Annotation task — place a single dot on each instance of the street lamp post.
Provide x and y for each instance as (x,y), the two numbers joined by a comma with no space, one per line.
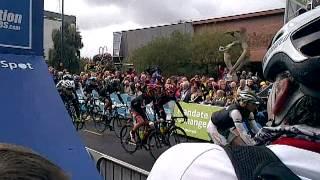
(62,31)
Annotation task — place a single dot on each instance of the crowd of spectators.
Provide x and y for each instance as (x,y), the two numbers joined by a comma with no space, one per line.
(198,89)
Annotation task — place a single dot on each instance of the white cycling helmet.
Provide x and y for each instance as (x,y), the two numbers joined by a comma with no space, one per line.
(296,48)
(93,78)
(68,84)
(67,77)
(248,96)
(60,73)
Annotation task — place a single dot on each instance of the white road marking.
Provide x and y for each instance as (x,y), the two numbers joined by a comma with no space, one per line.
(92,132)
(117,161)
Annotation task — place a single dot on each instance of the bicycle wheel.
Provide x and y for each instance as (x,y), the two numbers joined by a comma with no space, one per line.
(126,142)
(100,122)
(84,111)
(73,116)
(156,144)
(79,125)
(177,135)
(117,124)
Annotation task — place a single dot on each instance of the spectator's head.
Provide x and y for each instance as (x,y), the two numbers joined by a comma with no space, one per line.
(194,89)
(136,79)
(211,79)
(137,86)
(169,81)
(242,83)
(170,90)
(222,84)
(107,73)
(143,78)
(233,85)
(210,82)
(244,73)
(18,162)
(185,85)
(294,68)
(249,82)
(126,83)
(263,85)
(118,74)
(220,93)
(184,79)
(203,79)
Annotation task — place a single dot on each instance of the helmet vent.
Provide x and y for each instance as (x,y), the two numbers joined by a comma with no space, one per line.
(307,39)
(312,49)
(308,29)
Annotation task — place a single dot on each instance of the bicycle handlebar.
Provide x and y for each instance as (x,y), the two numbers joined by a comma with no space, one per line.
(185,118)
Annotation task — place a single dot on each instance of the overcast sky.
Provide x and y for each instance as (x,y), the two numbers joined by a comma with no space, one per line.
(98,19)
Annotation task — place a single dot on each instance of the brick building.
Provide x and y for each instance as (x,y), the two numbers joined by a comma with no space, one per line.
(260,26)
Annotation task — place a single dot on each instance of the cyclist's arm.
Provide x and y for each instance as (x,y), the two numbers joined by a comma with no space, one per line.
(119,97)
(237,119)
(59,84)
(253,124)
(179,107)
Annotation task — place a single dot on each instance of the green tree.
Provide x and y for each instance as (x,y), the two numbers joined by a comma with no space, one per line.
(71,49)
(169,53)
(205,50)
(182,54)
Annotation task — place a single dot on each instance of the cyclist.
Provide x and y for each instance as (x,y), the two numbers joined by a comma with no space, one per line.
(138,108)
(236,120)
(91,85)
(66,88)
(168,96)
(293,63)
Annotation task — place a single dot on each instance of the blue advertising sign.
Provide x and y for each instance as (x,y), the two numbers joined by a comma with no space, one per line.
(33,115)
(32,112)
(21,27)
(16,24)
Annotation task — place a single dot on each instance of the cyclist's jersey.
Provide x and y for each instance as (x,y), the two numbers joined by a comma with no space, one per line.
(161,101)
(159,105)
(138,104)
(90,87)
(223,120)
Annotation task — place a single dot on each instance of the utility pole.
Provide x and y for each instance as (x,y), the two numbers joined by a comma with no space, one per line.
(62,31)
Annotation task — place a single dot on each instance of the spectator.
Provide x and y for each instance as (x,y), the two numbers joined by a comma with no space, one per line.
(196,95)
(251,86)
(18,162)
(127,88)
(185,92)
(138,90)
(243,75)
(242,86)
(222,85)
(219,99)
(263,85)
(233,89)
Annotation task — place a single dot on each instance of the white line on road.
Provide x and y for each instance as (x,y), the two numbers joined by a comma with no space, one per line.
(92,132)
(117,161)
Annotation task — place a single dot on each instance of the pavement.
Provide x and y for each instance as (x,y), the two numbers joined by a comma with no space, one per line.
(107,143)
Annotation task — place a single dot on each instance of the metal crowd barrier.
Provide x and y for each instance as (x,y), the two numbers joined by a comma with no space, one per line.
(113,169)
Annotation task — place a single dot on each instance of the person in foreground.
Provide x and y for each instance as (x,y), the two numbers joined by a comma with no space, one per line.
(20,163)
(235,124)
(293,139)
